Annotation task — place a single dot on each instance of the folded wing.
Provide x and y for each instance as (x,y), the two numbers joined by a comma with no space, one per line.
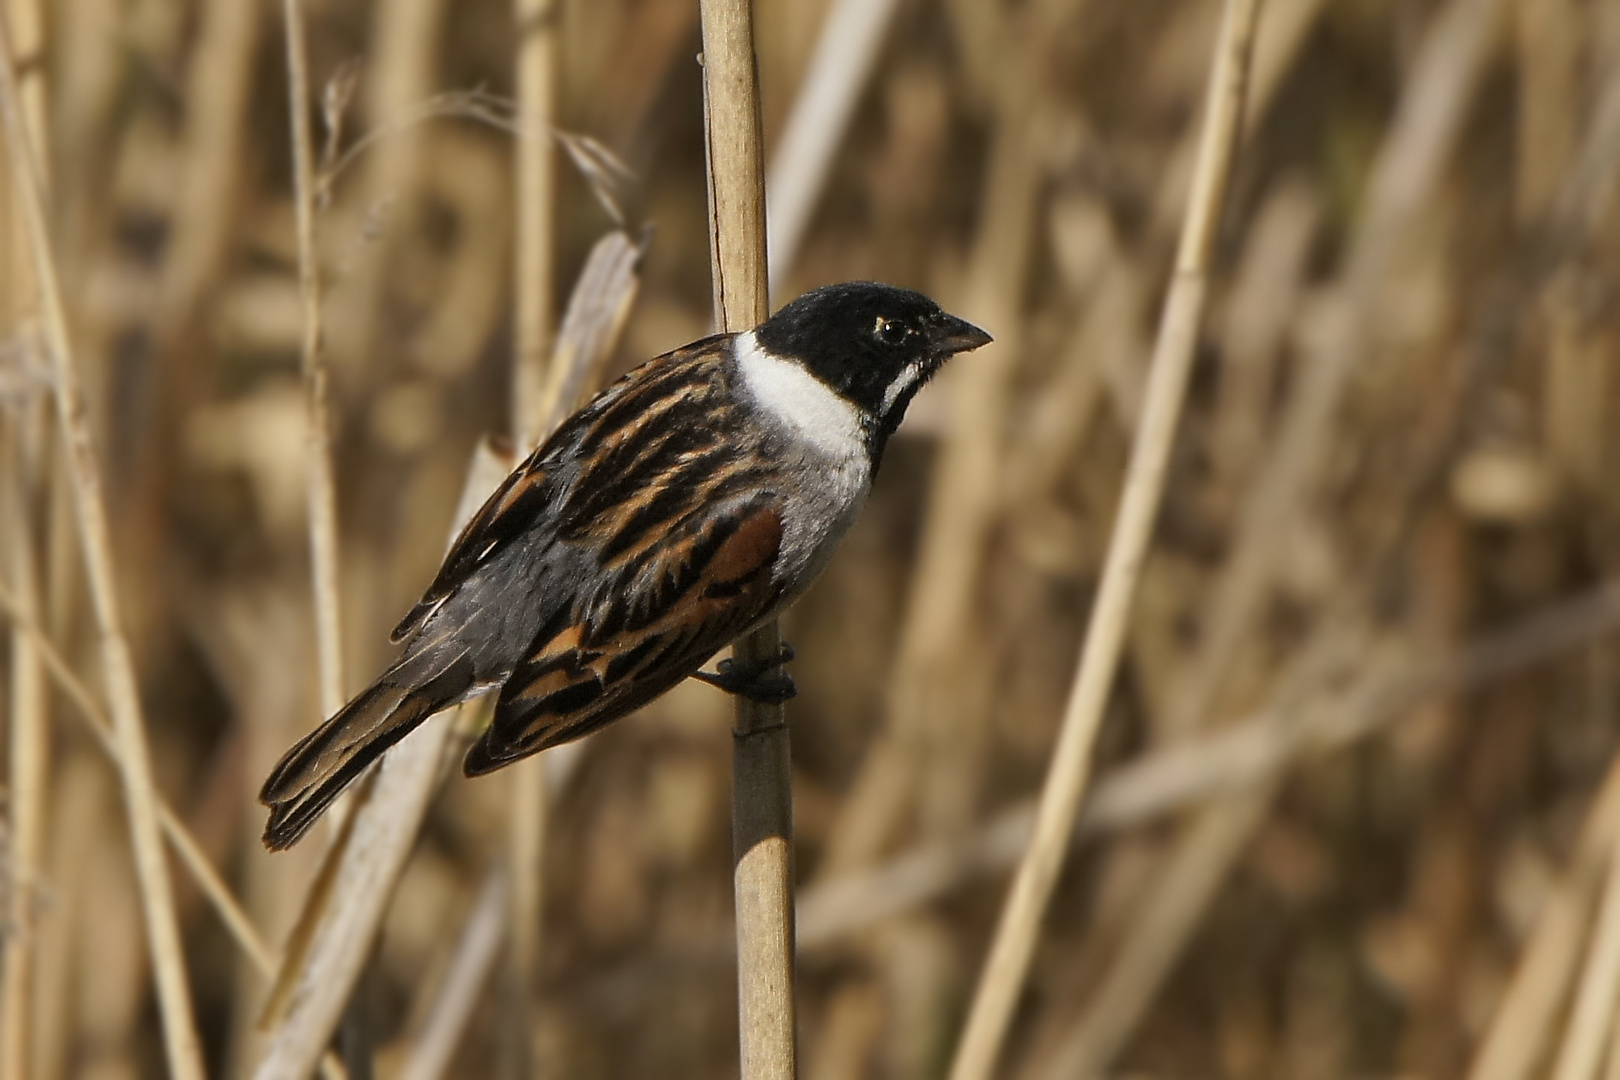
(669,611)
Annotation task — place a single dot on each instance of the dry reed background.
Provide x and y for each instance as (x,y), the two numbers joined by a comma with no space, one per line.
(1357,789)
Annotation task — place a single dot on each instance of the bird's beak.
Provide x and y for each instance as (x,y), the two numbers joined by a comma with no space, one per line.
(949,335)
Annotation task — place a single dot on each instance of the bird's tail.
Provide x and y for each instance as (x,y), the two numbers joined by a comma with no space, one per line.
(324,762)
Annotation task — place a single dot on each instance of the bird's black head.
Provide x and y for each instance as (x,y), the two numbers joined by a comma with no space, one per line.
(875,345)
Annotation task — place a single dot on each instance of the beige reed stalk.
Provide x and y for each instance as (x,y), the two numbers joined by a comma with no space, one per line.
(27,480)
(322,488)
(475,954)
(134,755)
(320,483)
(536,179)
(1004,972)
(29,764)
(762,795)
(534,283)
(1514,1045)
(1581,1055)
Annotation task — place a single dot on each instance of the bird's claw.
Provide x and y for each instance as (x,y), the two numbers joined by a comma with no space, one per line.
(754,680)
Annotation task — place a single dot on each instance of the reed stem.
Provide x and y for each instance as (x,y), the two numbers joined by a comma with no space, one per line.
(181,1045)
(1003,977)
(762,794)
(322,488)
(534,276)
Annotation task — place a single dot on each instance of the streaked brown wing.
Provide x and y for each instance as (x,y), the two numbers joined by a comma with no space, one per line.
(665,614)
(553,473)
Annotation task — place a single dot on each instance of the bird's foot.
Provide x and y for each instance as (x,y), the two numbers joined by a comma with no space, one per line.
(754,680)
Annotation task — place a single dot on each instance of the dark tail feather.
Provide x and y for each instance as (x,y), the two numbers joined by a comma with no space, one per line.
(324,762)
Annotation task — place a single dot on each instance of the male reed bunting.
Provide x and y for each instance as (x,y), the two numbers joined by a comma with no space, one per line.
(685,505)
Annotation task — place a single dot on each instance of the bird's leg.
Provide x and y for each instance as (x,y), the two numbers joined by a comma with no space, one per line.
(750,680)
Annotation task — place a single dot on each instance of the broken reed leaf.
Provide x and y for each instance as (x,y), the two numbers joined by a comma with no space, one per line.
(611,181)
(339,917)
(343,913)
(603,296)
(336,98)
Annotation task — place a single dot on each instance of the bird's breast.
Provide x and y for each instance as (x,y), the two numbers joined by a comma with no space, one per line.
(824,495)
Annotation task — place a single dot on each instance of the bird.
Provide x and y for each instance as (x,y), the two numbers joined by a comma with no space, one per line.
(682,507)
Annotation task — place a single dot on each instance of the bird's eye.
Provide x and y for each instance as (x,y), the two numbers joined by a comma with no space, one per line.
(892,331)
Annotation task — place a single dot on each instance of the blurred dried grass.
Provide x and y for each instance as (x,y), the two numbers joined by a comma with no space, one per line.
(1396,458)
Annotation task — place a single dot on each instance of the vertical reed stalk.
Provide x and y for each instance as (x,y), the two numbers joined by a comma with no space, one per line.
(322,488)
(536,182)
(134,759)
(1420,140)
(29,766)
(1004,972)
(762,796)
(536,186)
(320,482)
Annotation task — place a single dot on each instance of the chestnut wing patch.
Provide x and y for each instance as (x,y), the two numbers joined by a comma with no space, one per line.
(659,617)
